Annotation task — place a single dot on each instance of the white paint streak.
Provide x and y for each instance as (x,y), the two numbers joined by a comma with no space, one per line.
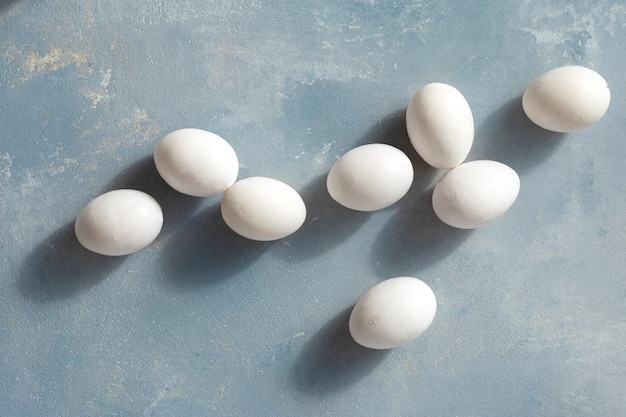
(320,158)
(6,162)
(415,18)
(546,37)
(33,64)
(101,93)
(563,31)
(138,130)
(33,180)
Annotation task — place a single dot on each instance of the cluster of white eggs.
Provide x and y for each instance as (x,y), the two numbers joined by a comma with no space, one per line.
(198,163)
(370,177)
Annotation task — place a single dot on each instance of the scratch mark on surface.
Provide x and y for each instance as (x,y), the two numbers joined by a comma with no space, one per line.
(156,402)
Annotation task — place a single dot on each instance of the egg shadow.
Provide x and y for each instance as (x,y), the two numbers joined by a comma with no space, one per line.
(414,238)
(204,251)
(391,130)
(510,137)
(327,224)
(60,267)
(332,361)
(143,176)
(6,4)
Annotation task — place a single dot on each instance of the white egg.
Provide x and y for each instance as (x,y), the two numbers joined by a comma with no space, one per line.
(196,162)
(119,222)
(393,313)
(567,99)
(370,177)
(475,193)
(440,125)
(264,209)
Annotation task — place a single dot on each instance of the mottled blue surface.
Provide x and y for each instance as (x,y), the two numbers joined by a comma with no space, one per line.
(532,308)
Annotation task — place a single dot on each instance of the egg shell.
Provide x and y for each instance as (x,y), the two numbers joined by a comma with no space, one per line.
(262,208)
(440,125)
(196,162)
(475,193)
(393,313)
(567,99)
(119,222)
(370,177)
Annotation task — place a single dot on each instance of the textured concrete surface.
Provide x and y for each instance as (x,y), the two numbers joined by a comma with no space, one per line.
(532,308)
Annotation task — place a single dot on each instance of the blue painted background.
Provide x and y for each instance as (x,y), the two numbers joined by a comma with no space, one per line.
(532,308)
